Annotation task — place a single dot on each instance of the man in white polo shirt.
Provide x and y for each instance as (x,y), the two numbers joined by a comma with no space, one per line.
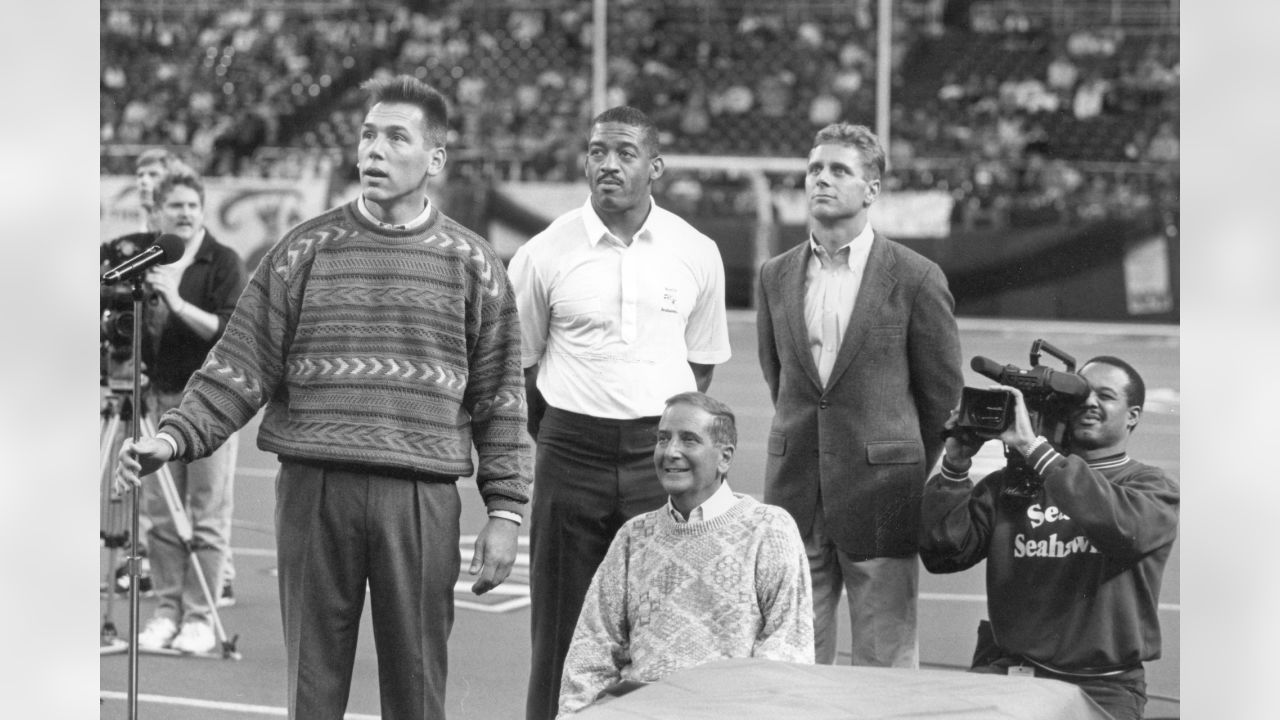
(621,306)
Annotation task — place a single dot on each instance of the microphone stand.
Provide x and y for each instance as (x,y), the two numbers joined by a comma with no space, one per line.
(135,431)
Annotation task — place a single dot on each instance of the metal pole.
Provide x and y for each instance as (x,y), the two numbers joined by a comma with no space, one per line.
(599,55)
(884,70)
(135,429)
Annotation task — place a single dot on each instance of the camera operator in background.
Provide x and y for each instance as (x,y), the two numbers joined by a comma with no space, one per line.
(150,168)
(1074,567)
(193,299)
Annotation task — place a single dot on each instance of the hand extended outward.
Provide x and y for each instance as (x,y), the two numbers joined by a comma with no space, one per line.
(495,553)
(961,445)
(137,459)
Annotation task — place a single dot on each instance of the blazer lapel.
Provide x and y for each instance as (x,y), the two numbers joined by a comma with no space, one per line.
(877,282)
(791,281)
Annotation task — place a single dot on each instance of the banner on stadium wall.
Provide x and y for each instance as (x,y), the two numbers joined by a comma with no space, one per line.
(246,214)
(898,214)
(1146,277)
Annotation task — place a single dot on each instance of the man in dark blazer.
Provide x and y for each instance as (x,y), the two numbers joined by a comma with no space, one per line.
(860,350)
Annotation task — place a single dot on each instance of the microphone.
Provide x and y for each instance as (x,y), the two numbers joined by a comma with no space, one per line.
(168,249)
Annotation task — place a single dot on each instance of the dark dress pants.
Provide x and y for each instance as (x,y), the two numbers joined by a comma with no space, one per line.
(338,532)
(591,476)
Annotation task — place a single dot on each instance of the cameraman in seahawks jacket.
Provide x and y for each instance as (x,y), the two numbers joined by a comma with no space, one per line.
(1075,557)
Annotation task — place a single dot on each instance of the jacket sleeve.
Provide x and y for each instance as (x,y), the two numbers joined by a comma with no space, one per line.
(601,645)
(784,593)
(1125,518)
(933,347)
(956,518)
(766,347)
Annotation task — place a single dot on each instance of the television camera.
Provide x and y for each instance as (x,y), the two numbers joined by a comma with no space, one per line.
(1050,395)
(126,259)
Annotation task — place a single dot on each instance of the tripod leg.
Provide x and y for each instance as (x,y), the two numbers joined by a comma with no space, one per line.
(112,524)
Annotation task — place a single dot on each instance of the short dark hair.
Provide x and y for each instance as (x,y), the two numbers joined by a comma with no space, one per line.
(155,156)
(627,115)
(858,137)
(411,90)
(724,427)
(177,179)
(1135,391)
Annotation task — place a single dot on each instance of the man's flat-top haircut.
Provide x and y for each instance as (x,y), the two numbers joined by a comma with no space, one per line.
(858,137)
(626,115)
(178,179)
(1135,391)
(410,90)
(724,427)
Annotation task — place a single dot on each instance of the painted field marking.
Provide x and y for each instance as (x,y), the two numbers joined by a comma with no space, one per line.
(268,710)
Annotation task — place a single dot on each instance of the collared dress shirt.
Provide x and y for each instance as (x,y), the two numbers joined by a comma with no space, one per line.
(710,509)
(363,206)
(831,287)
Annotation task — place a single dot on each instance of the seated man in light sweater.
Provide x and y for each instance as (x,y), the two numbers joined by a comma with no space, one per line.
(710,575)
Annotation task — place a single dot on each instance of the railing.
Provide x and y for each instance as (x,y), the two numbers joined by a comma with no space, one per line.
(508,166)
(1067,15)
(172,8)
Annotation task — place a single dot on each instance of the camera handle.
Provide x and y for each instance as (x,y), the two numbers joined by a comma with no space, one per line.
(1039,344)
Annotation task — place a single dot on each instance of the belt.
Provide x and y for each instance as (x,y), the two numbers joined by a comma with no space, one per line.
(591,419)
(402,473)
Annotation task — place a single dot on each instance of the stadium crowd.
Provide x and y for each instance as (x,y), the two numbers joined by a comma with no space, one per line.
(1020,123)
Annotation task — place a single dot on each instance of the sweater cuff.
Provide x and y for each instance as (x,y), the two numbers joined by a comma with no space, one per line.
(175,437)
(1042,458)
(506,505)
(167,439)
(506,515)
(950,472)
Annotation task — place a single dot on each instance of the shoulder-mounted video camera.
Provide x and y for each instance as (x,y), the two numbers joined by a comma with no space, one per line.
(1050,395)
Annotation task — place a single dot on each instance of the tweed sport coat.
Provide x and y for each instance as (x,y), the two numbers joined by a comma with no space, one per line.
(859,449)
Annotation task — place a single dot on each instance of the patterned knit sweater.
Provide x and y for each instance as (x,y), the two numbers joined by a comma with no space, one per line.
(670,596)
(391,348)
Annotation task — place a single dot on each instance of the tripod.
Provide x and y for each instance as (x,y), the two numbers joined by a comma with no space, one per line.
(118,408)
(181,524)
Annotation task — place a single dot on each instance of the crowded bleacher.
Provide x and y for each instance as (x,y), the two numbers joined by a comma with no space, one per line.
(1023,114)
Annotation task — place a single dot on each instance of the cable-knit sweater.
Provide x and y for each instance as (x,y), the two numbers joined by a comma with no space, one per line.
(382,347)
(673,595)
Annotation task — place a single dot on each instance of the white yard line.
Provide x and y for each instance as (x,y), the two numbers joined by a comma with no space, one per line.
(268,710)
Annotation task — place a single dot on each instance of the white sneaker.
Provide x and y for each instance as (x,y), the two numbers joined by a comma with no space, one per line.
(157,634)
(196,637)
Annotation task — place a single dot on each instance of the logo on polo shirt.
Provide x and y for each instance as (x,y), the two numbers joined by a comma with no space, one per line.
(669,297)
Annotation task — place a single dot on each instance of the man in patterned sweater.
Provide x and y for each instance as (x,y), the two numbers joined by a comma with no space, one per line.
(1074,559)
(382,338)
(710,575)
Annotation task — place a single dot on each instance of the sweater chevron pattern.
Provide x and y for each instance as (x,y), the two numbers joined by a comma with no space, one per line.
(674,595)
(385,347)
